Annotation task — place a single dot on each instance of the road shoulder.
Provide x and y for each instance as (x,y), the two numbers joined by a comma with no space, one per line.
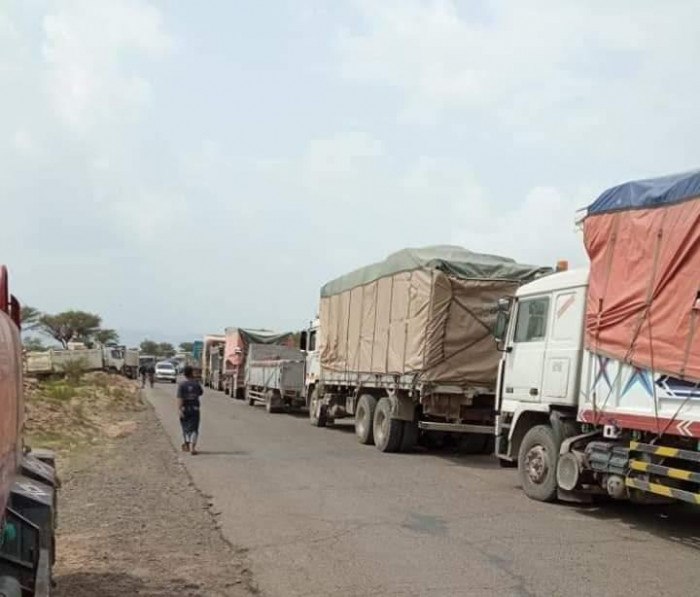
(132,522)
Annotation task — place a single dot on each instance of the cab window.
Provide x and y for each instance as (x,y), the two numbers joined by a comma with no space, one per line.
(312,341)
(531,325)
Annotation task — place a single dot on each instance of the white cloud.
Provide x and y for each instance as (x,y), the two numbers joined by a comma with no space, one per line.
(148,218)
(557,70)
(540,230)
(86,46)
(24,143)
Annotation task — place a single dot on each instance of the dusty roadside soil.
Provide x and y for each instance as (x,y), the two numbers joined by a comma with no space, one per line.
(132,523)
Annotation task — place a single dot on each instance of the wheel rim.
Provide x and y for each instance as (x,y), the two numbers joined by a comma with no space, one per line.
(537,464)
(314,407)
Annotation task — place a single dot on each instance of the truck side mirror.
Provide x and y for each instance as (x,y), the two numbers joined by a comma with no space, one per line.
(500,327)
(303,340)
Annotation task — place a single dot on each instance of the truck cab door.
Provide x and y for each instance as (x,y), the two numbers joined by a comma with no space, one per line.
(313,362)
(526,349)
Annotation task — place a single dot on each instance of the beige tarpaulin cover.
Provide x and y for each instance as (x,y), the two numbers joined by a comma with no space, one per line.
(432,320)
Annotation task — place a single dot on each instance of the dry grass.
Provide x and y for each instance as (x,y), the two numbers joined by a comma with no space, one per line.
(66,414)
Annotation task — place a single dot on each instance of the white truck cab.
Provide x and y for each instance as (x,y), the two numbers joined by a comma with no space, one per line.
(578,423)
(545,342)
(310,344)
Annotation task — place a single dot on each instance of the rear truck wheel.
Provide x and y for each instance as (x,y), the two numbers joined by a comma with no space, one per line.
(388,432)
(409,439)
(249,398)
(317,411)
(364,419)
(537,463)
(271,402)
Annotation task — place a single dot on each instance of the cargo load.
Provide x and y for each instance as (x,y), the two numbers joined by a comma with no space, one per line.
(55,361)
(274,376)
(237,341)
(643,241)
(425,313)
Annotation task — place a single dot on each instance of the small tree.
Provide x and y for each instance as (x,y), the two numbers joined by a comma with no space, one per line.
(30,318)
(34,344)
(149,347)
(106,337)
(186,347)
(70,325)
(165,349)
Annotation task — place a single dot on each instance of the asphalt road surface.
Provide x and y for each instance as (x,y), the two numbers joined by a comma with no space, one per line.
(319,514)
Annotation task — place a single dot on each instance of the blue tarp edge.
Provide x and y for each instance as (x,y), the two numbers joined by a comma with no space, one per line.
(652,192)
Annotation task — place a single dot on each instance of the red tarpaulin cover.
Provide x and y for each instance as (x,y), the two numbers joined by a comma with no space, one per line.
(644,295)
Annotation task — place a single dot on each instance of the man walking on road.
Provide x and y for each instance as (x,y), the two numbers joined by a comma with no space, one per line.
(188,393)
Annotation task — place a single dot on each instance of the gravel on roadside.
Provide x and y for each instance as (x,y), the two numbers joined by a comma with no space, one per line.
(131,522)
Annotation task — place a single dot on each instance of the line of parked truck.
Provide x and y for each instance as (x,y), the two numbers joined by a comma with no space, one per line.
(587,380)
(115,359)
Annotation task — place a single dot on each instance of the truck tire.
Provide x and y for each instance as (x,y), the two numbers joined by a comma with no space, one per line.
(364,419)
(249,398)
(388,432)
(317,411)
(271,402)
(409,439)
(537,463)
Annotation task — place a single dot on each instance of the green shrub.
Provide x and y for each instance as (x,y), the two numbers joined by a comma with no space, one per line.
(74,370)
(60,391)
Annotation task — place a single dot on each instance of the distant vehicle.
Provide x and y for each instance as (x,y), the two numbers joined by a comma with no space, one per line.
(165,371)
(232,363)
(274,375)
(120,359)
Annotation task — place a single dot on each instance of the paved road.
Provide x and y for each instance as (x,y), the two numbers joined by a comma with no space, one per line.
(320,514)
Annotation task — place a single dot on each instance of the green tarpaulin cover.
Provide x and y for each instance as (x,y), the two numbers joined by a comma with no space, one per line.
(452,260)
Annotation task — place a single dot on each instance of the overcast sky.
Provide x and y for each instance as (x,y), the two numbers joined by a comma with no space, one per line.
(181,167)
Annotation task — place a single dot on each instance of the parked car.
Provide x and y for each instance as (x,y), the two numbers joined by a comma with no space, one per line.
(165,371)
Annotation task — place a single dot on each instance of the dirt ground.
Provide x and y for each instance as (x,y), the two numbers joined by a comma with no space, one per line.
(131,522)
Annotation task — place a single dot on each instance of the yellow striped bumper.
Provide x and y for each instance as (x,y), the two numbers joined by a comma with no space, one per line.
(641,471)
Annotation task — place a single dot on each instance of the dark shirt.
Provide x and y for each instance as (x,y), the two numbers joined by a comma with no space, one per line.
(189,392)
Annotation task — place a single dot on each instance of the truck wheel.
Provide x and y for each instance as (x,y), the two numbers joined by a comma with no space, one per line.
(409,438)
(249,398)
(388,432)
(537,463)
(364,419)
(271,402)
(317,411)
